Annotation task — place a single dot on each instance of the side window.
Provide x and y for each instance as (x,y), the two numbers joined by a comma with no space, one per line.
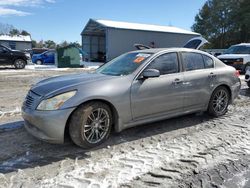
(192,61)
(208,61)
(166,64)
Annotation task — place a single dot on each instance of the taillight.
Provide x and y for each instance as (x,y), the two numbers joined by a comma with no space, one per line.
(237,73)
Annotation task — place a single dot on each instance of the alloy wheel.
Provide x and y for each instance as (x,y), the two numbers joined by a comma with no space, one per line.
(96,126)
(220,101)
(19,64)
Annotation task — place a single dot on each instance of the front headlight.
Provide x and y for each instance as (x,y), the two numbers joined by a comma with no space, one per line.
(55,102)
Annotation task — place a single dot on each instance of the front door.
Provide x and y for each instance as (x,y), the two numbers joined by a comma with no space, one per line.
(161,95)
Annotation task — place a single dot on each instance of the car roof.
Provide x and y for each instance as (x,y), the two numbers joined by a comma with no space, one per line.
(242,44)
(157,50)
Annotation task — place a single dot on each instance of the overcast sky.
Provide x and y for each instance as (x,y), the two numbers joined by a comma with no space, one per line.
(61,20)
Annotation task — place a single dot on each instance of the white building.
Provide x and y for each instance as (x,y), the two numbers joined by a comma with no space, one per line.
(113,38)
(16,42)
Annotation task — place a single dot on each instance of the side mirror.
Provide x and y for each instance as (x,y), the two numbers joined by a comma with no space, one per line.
(150,73)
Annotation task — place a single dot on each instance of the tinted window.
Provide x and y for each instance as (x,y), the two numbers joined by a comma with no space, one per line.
(208,61)
(166,64)
(193,44)
(192,61)
(2,49)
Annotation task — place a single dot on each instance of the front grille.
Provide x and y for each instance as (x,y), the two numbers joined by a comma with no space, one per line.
(30,99)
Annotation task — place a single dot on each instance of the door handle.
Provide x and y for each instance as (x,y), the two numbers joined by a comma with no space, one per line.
(211,75)
(177,81)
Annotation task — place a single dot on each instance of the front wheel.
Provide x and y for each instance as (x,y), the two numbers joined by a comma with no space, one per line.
(90,125)
(19,64)
(219,102)
(39,62)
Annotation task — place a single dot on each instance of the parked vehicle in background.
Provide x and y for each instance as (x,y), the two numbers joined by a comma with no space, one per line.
(135,88)
(13,57)
(47,57)
(247,77)
(237,56)
(36,51)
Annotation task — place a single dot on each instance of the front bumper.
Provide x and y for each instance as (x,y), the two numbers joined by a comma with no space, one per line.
(48,126)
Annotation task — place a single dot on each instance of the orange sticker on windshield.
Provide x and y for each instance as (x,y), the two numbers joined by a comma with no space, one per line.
(139,59)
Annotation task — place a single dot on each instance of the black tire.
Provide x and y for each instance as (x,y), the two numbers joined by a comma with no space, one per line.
(19,64)
(218,107)
(81,125)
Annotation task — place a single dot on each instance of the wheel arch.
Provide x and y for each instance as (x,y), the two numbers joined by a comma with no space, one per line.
(115,115)
(228,89)
(39,60)
(22,58)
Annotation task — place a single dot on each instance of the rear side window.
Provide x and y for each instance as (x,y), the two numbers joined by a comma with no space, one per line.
(166,64)
(208,61)
(192,61)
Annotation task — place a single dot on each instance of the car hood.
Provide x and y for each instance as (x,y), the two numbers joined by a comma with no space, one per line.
(62,83)
(232,56)
(17,52)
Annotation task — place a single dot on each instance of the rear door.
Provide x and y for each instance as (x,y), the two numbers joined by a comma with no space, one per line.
(199,77)
(161,95)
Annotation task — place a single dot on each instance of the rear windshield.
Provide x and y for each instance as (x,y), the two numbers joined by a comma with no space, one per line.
(124,64)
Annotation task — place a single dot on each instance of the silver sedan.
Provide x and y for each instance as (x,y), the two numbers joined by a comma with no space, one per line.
(135,88)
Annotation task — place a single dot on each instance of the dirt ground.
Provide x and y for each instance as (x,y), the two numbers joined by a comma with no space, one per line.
(190,151)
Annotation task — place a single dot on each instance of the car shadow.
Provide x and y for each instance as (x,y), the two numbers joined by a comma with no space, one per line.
(31,152)
(7,68)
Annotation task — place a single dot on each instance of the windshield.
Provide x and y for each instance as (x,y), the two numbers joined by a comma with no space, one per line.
(238,50)
(6,47)
(124,64)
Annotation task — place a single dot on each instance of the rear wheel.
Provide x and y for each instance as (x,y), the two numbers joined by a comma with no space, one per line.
(219,101)
(19,64)
(90,125)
